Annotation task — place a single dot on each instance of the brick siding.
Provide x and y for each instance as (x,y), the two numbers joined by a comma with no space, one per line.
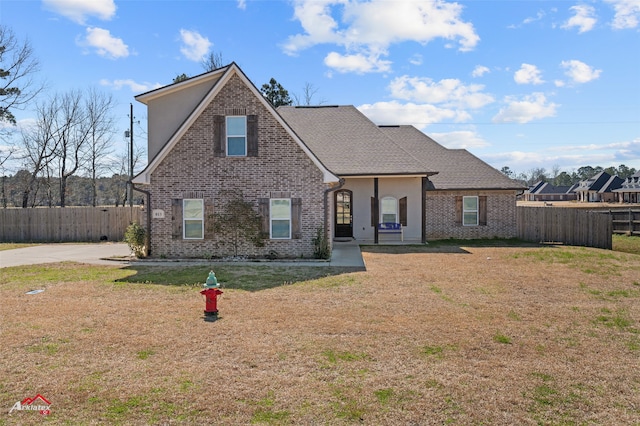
(441,215)
(281,166)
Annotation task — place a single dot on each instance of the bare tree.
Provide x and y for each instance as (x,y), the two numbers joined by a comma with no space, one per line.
(39,146)
(17,71)
(308,92)
(212,61)
(101,124)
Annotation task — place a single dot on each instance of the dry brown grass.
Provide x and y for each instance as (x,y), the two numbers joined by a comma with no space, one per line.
(480,335)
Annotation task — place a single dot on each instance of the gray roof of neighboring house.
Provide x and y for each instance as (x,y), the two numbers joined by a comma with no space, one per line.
(547,188)
(630,184)
(594,183)
(348,143)
(614,182)
(457,168)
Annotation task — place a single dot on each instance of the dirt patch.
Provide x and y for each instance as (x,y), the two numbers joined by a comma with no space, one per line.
(480,335)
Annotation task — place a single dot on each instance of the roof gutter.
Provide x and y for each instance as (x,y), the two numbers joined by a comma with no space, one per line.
(325,202)
(147,234)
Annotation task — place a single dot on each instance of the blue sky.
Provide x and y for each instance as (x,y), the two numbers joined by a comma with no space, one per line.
(524,84)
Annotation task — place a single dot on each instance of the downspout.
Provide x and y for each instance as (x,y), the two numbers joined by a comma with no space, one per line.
(326,206)
(147,234)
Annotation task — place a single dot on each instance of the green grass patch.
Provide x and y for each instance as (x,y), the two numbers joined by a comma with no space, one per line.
(13,246)
(501,338)
(619,319)
(145,353)
(626,244)
(333,357)
(241,277)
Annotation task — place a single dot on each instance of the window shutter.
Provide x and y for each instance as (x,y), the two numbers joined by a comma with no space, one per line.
(252,136)
(176,219)
(219,144)
(374,221)
(209,220)
(296,218)
(263,210)
(403,211)
(459,210)
(482,210)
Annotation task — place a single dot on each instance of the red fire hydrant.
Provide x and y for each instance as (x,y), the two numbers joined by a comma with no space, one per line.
(211,292)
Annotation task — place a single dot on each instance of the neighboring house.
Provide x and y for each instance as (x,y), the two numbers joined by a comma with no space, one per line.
(544,191)
(304,169)
(598,188)
(629,191)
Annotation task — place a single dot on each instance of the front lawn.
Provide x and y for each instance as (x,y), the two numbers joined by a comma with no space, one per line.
(476,335)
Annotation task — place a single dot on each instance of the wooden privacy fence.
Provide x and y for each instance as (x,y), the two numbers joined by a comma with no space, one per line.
(626,221)
(576,227)
(69,224)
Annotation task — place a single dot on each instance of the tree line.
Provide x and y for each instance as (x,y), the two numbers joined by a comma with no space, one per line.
(562,178)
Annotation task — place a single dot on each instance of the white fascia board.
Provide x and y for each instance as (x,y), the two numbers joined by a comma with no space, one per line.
(162,91)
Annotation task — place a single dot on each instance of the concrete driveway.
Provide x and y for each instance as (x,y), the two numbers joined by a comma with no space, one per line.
(51,253)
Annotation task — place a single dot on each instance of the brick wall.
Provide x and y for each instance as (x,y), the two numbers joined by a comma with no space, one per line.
(441,215)
(281,166)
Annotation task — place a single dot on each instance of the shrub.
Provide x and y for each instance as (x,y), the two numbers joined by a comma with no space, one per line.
(321,245)
(134,237)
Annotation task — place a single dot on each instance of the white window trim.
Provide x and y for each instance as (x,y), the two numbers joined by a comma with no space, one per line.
(228,135)
(476,210)
(271,219)
(397,213)
(184,219)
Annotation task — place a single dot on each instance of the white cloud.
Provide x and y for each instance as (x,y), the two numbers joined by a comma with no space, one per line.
(104,43)
(479,71)
(368,28)
(538,17)
(627,14)
(79,10)
(194,46)
(418,115)
(357,63)
(242,4)
(528,74)
(529,108)
(449,92)
(463,139)
(583,18)
(134,86)
(579,72)
(416,59)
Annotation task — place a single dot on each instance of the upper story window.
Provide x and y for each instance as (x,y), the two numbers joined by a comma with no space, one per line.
(236,136)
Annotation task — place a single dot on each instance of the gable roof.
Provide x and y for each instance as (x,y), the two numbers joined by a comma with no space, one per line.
(457,168)
(349,143)
(223,75)
(596,183)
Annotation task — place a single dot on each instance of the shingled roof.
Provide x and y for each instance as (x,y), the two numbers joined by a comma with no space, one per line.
(349,144)
(457,168)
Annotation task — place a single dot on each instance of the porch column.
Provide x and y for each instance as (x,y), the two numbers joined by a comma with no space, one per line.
(376,210)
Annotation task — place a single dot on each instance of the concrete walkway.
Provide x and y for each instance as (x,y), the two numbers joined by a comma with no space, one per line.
(345,254)
(95,253)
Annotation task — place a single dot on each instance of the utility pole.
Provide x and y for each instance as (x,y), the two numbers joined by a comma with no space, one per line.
(131,156)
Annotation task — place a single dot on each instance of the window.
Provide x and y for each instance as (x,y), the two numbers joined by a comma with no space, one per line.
(470,211)
(236,136)
(280,218)
(389,210)
(193,219)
